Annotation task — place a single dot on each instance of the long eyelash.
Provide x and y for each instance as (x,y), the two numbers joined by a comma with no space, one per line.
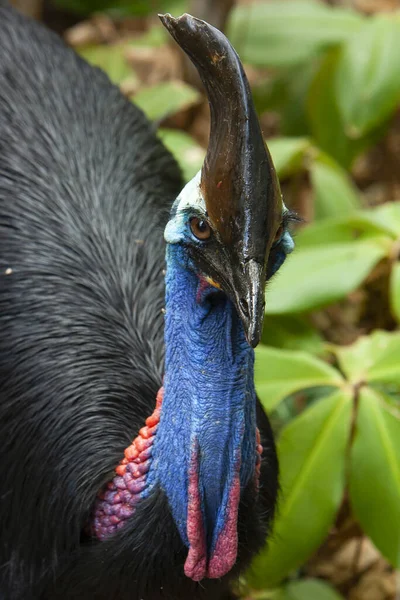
(290,216)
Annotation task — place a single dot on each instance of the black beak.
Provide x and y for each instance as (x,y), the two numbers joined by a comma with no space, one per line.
(249,298)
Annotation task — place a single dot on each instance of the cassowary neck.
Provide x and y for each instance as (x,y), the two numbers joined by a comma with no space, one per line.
(200,445)
(205,449)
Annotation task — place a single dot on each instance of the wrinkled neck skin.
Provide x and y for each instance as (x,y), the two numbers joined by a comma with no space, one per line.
(204,452)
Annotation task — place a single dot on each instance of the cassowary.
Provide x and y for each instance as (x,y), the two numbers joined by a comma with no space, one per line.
(130,451)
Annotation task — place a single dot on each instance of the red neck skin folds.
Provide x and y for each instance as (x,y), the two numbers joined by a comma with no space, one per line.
(117,501)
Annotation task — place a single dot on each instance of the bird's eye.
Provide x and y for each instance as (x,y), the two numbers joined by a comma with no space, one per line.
(200,228)
(278,234)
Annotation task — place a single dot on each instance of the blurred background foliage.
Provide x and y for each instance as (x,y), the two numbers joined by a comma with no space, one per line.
(326,83)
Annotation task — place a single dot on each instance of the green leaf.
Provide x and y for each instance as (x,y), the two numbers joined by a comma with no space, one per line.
(395,291)
(286,93)
(291,332)
(334,193)
(375,474)
(283,34)
(165,99)
(120,8)
(325,120)
(187,152)
(361,225)
(154,37)
(367,82)
(311,450)
(310,589)
(111,59)
(372,358)
(293,108)
(316,276)
(386,217)
(288,154)
(279,373)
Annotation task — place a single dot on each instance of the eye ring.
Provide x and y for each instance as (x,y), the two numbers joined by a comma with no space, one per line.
(200,228)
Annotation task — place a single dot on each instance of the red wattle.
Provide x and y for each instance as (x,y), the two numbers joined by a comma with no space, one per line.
(225,551)
(196,561)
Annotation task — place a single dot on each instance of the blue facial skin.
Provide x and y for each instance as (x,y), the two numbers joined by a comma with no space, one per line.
(209,395)
(284,246)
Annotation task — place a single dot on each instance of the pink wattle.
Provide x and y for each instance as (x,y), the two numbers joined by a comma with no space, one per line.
(196,561)
(225,552)
(197,565)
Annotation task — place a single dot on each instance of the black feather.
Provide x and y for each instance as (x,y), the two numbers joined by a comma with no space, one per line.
(85,190)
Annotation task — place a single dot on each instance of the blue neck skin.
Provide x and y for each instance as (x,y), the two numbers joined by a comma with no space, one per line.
(209,399)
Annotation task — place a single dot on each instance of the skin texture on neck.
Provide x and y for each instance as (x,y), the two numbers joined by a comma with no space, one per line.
(204,452)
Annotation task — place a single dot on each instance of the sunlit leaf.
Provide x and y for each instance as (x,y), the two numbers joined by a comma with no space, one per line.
(367,82)
(291,332)
(187,152)
(315,276)
(360,225)
(372,358)
(282,34)
(110,59)
(395,291)
(375,474)
(310,589)
(166,98)
(279,373)
(288,154)
(311,450)
(386,217)
(334,193)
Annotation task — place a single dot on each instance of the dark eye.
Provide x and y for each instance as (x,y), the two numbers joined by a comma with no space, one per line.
(200,228)
(278,234)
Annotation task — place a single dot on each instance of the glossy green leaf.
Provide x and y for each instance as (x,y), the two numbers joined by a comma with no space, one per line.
(111,59)
(334,193)
(367,82)
(288,154)
(315,276)
(282,34)
(375,474)
(165,99)
(291,332)
(185,149)
(372,358)
(311,450)
(395,291)
(279,373)
(310,589)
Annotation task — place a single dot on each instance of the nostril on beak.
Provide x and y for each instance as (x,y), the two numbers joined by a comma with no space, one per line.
(244,307)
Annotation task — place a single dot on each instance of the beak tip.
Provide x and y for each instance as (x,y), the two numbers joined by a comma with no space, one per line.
(253,338)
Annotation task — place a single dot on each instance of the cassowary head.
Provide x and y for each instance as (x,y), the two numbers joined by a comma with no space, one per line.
(230,217)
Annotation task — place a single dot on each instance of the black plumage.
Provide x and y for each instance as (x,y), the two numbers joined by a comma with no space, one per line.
(85,192)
